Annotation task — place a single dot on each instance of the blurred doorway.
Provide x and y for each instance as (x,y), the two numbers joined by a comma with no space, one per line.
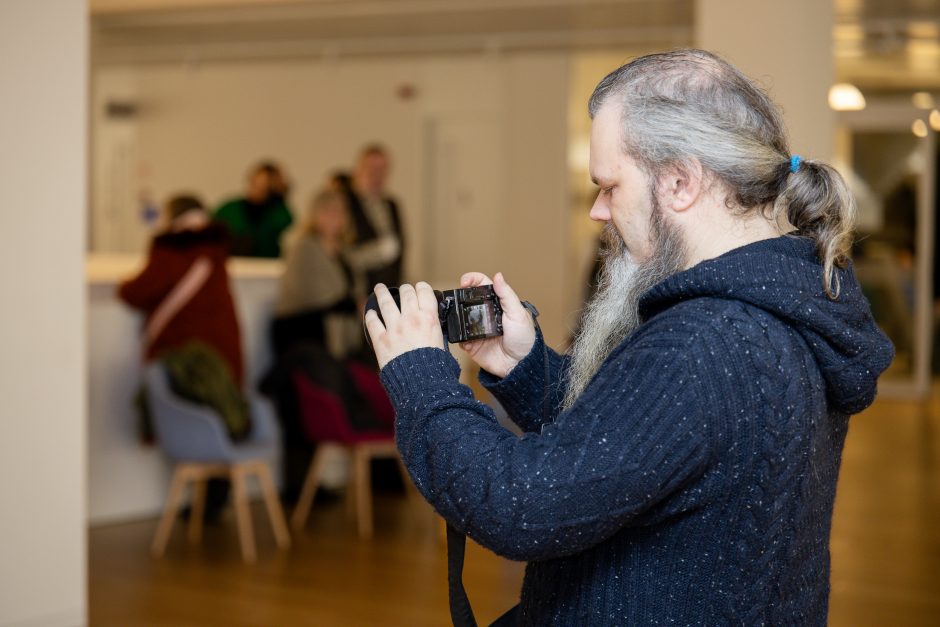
(892,173)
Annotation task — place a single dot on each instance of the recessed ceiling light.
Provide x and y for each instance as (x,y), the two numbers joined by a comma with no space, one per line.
(846,97)
(919,128)
(935,120)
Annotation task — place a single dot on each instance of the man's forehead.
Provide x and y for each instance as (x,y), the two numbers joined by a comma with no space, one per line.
(605,142)
(604,162)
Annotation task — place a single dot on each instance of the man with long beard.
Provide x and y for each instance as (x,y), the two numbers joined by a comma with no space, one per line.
(679,466)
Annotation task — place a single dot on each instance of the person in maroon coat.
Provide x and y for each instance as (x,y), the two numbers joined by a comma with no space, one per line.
(184,293)
(184,288)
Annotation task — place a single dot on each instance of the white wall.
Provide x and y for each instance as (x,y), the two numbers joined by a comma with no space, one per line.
(43,63)
(478,153)
(787,46)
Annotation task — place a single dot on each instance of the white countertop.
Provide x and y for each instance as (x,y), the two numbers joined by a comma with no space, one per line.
(112,268)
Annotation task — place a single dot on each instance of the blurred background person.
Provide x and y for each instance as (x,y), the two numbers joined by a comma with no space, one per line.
(190,320)
(205,311)
(258,219)
(341,181)
(320,292)
(317,330)
(379,240)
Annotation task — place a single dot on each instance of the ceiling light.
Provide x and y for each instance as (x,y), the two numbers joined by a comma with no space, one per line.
(935,120)
(845,97)
(923,100)
(919,128)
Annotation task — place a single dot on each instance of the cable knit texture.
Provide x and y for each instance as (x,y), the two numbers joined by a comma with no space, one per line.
(693,481)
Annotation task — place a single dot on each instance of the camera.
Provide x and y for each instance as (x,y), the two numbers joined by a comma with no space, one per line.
(468,313)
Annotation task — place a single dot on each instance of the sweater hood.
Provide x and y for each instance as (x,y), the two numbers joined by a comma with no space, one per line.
(783,276)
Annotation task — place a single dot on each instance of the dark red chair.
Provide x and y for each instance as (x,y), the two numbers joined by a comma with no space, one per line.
(369,385)
(325,421)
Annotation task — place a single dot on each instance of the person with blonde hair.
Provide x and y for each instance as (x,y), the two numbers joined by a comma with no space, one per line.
(320,290)
(317,328)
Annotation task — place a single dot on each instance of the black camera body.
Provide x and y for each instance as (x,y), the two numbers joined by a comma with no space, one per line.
(466,314)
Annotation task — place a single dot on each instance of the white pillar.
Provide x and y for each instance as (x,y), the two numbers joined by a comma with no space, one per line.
(43,76)
(787,47)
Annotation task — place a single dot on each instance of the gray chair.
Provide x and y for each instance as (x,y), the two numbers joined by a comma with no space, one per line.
(195,440)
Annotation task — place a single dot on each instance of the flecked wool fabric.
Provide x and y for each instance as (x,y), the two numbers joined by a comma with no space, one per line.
(693,481)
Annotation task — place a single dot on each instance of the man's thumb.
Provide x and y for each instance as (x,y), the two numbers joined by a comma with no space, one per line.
(508,299)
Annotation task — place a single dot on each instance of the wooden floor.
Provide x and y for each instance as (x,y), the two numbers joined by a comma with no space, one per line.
(885,550)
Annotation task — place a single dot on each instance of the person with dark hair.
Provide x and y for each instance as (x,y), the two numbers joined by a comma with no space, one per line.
(376,219)
(190,318)
(183,290)
(341,181)
(258,219)
(679,465)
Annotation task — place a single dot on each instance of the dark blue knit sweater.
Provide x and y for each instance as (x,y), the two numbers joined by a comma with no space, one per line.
(693,481)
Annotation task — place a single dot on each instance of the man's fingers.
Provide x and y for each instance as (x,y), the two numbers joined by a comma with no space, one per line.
(473,279)
(374,326)
(387,304)
(427,301)
(508,299)
(408,297)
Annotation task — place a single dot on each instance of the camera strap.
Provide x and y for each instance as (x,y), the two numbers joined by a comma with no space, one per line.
(461,614)
(547,371)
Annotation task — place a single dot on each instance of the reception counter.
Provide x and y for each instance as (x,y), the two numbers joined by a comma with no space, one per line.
(126,479)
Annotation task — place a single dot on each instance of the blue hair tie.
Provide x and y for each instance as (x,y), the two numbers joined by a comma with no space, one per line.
(795,162)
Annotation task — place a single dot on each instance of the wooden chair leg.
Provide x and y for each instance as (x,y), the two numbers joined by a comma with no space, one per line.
(273,505)
(243,513)
(197,510)
(170,509)
(298,518)
(363,481)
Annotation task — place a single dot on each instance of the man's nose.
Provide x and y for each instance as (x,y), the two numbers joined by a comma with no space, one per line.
(599,211)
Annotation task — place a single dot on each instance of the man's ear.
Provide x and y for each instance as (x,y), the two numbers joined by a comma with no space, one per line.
(682,184)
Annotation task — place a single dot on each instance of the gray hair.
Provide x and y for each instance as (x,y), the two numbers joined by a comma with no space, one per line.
(691,105)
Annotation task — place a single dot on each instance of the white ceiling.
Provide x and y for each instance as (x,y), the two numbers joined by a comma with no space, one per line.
(879,44)
(254,29)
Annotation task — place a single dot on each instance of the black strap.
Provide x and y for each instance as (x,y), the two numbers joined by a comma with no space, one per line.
(547,370)
(461,614)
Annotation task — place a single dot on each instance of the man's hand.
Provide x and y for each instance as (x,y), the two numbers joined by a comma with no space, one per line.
(415,326)
(499,355)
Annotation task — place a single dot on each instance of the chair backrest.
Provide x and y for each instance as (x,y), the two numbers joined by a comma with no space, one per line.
(322,414)
(370,386)
(184,430)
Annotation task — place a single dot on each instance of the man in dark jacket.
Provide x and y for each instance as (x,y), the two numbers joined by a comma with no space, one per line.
(679,465)
(379,242)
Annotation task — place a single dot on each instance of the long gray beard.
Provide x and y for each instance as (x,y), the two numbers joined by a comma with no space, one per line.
(613,313)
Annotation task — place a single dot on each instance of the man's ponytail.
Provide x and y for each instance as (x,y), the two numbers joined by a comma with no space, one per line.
(819,204)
